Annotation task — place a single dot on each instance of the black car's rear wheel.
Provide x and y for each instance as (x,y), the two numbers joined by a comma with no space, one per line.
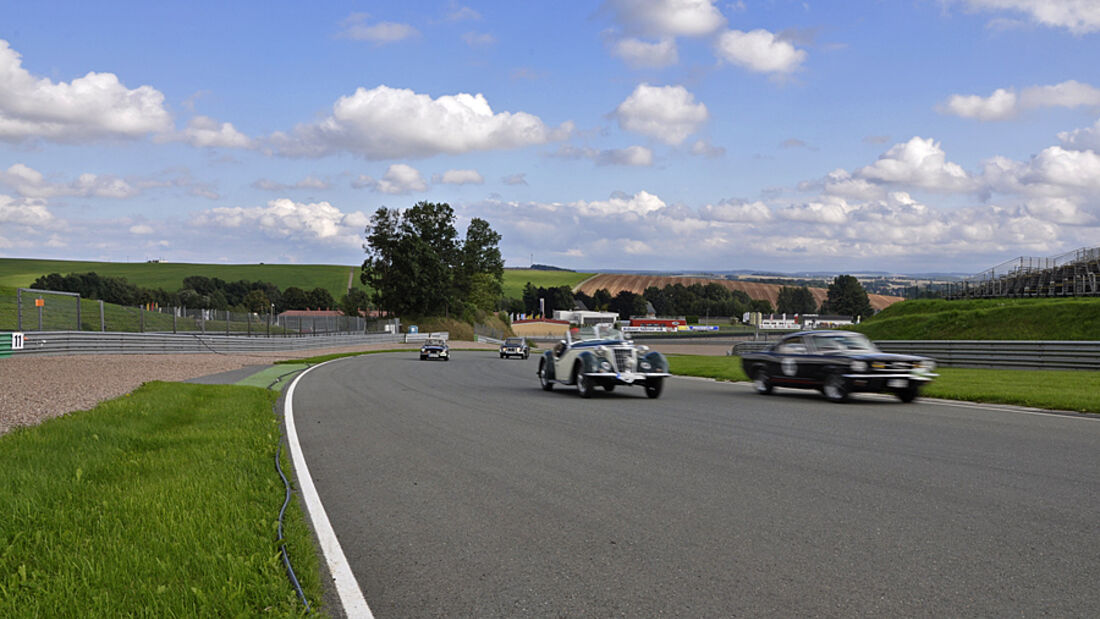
(836,388)
(653,387)
(762,382)
(544,379)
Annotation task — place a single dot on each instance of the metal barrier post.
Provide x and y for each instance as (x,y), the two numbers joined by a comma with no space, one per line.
(227,322)
(19,308)
(141,321)
(40,306)
(78,313)
(249,328)
(102,322)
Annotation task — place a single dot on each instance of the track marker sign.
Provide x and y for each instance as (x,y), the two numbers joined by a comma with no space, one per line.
(17,341)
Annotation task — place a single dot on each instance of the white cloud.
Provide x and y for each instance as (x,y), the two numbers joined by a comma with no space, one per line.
(95,106)
(203,131)
(309,182)
(355,27)
(704,148)
(1005,104)
(520,178)
(828,211)
(1077,16)
(459,177)
(141,229)
(667,113)
(456,12)
(30,183)
(690,18)
(641,54)
(286,219)
(1001,105)
(399,178)
(918,163)
(479,40)
(630,156)
(842,184)
(25,212)
(389,123)
(734,211)
(1082,139)
(760,51)
(640,204)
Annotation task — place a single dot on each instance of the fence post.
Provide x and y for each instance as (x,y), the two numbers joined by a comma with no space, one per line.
(40,306)
(19,309)
(102,321)
(174,316)
(141,314)
(227,322)
(78,313)
(248,317)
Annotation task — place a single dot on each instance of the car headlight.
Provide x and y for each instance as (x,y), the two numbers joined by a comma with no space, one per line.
(927,364)
(645,365)
(605,365)
(859,366)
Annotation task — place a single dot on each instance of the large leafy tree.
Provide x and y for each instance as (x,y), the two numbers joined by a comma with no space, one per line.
(847,298)
(417,265)
(795,300)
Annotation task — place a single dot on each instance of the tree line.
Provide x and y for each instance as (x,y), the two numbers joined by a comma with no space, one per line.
(846,297)
(201,292)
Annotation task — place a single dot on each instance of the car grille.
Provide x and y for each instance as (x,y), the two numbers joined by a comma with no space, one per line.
(622,355)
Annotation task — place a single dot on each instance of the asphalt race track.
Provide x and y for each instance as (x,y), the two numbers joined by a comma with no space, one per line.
(462,489)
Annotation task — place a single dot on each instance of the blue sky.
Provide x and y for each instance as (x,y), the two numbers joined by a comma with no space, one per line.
(916,136)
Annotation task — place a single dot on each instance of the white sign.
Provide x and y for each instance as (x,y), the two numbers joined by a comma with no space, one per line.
(647,329)
(17,341)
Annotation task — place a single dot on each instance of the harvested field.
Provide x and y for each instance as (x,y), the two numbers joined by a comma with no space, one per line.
(614,283)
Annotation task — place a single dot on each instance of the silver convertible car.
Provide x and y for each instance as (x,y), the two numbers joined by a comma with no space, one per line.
(602,356)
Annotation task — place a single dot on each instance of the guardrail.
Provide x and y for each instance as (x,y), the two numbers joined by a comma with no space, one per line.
(1017,354)
(115,343)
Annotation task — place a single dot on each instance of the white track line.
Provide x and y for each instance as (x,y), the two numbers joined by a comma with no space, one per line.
(351,596)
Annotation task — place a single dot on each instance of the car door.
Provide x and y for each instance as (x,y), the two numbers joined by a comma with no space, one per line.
(793,362)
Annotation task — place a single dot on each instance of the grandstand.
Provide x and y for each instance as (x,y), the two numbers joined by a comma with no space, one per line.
(1073,274)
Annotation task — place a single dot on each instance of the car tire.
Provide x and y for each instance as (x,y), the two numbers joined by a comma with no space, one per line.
(503,356)
(654,387)
(609,387)
(547,385)
(525,355)
(583,382)
(762,382)
(908,394)
(423,357)
(835,388)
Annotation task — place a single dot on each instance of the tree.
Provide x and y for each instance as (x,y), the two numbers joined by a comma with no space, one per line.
(416,265)
(795,300)
(847,298)
(256,301)
(602,300)
(294,298)
(355,301)
(319,298)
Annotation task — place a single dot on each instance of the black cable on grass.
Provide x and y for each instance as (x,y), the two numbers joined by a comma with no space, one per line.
(282,511)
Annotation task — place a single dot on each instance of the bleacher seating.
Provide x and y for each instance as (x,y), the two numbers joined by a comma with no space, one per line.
(1073,274)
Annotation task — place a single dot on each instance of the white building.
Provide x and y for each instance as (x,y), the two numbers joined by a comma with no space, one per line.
(581,317)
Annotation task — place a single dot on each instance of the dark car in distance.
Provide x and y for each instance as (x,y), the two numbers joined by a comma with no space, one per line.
(837,363)
(515,347)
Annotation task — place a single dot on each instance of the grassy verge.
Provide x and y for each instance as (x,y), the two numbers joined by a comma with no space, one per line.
(1050,389)
(160,503)
(987,319)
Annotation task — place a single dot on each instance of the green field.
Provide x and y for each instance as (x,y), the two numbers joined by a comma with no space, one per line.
(987,319)
(19,273)
(161,503)
(516,279)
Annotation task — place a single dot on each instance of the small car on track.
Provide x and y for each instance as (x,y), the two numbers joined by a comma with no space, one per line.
(435,348)
(837,363)
(602,356)
(515,347)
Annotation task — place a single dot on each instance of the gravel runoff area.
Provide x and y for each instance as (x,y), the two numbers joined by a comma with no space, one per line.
(36,388)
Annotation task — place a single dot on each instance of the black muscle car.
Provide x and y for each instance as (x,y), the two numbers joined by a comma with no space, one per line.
(837,363)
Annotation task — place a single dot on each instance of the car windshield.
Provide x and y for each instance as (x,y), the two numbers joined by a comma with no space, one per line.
(513,341)
(433,343)
(596,332)
(843,342)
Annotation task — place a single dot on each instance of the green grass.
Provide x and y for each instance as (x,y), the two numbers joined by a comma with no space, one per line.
(987,319)
(161,503)
(516,279)
(1049,389)
(20,273)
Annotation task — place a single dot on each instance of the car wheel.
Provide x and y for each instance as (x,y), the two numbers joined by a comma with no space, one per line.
(423,357)
(762,382)
(502,355)
(908,394)
(525,355)
(543,379)
(653,387)
(836,388)
(583,382)
(609,387)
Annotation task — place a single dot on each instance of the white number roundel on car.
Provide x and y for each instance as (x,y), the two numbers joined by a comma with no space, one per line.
(790,368)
